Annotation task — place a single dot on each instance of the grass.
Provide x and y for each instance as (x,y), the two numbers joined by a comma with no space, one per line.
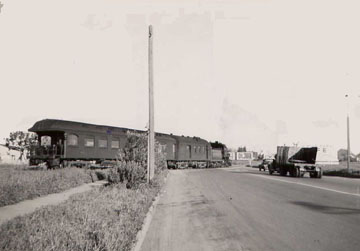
(102,219)
(17,183)
(341,170)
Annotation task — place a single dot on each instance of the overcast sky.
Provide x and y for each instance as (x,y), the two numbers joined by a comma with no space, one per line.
(247,73)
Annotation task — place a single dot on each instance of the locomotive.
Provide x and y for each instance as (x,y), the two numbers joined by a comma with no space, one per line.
(62,142)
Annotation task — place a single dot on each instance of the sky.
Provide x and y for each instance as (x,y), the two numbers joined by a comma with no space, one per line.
(252,73)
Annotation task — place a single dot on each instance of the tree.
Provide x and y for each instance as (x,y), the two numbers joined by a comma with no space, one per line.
(242,149)
(21,141)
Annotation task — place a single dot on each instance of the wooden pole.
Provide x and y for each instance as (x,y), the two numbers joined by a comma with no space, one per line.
(348,135)
(348,143)
(151,134)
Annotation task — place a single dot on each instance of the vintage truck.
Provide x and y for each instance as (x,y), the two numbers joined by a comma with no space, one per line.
(296,161)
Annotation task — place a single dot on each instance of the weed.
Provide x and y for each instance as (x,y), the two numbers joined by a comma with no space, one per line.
(102,219)
(18,184)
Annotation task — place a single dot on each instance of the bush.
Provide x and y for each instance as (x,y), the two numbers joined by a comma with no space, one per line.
(101,175)
(130,172)
(131,168)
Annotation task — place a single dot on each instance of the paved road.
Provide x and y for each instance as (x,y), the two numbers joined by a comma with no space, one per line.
(243,209)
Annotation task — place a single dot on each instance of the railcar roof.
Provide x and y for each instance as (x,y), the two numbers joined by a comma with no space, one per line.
(187,139)
(63,125)
(47,125)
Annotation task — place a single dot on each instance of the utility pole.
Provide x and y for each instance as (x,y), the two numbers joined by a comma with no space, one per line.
(151,134)
(348,135)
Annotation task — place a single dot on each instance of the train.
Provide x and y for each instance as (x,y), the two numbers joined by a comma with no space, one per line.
(62,143)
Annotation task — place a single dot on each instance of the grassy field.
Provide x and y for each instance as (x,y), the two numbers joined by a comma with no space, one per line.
(18,183)
(103,219)
(342,165)
(341,170)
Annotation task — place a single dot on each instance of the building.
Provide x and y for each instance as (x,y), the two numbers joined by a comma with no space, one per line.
(9,156)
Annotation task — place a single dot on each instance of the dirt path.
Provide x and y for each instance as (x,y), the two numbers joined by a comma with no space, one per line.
(29,206)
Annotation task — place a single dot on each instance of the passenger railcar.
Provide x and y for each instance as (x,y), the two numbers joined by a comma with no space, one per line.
(66,141)
(190,152)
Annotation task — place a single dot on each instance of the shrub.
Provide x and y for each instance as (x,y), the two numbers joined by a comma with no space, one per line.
(131,168)
(101,175)
(130,172)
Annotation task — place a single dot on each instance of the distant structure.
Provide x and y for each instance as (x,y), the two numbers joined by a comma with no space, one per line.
(243,155)
(246,155)
(232,155)
(9,156)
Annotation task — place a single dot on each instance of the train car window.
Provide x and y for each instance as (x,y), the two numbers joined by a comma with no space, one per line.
(72,140)
(89,142)
(163,148)
(103,143)
(115,144)
(45,140)
(195,149)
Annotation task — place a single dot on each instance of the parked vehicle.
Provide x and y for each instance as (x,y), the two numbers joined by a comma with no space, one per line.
(264,165)
(62,142)
(296,161)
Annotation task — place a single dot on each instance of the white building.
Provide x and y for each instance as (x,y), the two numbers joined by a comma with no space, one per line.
(9,156)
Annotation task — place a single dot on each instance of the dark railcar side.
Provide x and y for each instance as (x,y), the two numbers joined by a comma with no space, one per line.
(77,141)
(191,152)
(72,141)
(167,146)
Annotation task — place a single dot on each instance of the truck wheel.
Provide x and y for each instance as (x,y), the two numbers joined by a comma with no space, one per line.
(283,172)
(319,174)
(297,172)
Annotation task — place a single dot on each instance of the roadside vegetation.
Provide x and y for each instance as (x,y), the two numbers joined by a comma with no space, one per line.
(106,218)
(18,183)
(341,170)
(103,219)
